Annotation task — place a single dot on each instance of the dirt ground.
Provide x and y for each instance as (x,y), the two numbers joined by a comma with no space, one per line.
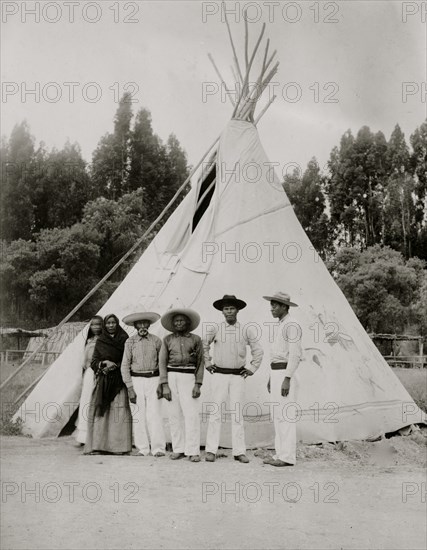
(354,495)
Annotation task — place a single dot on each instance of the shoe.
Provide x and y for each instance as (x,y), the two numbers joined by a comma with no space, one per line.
(195,458)
(176,456)
(242,458)
(210,457)
(160,453)
(277,462)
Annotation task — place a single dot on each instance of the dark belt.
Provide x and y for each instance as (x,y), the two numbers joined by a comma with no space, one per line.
(146,374)
(278,366)
(190,369)
(221,370)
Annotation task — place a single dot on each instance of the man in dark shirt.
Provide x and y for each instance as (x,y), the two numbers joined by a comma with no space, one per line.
(181,366)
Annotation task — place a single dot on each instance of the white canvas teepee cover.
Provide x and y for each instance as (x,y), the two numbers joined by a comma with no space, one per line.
(250,243)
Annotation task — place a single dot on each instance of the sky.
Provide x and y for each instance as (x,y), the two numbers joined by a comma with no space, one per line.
(343,65)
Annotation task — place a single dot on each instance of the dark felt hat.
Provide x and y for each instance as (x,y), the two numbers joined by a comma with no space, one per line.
(229,300)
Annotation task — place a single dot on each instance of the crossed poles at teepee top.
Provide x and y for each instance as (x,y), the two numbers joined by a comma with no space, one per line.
(247,99)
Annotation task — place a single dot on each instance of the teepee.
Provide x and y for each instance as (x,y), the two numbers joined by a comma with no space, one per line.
(236,233)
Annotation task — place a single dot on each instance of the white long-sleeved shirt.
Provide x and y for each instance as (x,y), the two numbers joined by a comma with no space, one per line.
(229,344)
(286,347)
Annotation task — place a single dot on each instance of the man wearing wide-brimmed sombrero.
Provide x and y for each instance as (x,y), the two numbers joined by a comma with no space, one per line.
(181,377)
(286,353)
(229,369)
(140,373)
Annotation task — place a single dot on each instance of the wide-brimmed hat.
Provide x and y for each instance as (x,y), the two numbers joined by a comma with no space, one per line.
(229,300)
(141,316)
(281,297)
(193,316)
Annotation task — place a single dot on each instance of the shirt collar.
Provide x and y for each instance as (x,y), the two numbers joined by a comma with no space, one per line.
(180,335)
(146,337)
(285,318)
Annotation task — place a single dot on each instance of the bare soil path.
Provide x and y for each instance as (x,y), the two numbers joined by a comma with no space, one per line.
(55,497)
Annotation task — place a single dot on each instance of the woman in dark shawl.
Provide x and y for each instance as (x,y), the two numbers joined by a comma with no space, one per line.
(110,421)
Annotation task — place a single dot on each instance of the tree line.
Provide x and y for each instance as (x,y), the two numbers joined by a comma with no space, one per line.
(373,192)
(366,216)
(65,223)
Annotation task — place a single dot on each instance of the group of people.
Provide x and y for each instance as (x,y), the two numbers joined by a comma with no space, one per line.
(125,378)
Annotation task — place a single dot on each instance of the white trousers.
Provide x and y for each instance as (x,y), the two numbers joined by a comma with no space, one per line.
(285,418)
(85,398)
(147,421)
(184,415)
(223,386)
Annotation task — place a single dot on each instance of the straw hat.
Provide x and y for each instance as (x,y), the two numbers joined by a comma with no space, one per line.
(193,316)
(281,297)
(141,316)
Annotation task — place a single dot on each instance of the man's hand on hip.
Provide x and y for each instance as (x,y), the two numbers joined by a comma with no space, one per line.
(246,372)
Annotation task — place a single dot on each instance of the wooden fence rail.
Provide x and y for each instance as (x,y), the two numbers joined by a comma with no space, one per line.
(7,355)
(408,361)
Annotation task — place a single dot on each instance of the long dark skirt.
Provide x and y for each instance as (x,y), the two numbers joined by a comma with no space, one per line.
(112,432)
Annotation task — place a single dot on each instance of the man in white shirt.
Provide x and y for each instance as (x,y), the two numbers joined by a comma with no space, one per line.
(228,368)
(286,353)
